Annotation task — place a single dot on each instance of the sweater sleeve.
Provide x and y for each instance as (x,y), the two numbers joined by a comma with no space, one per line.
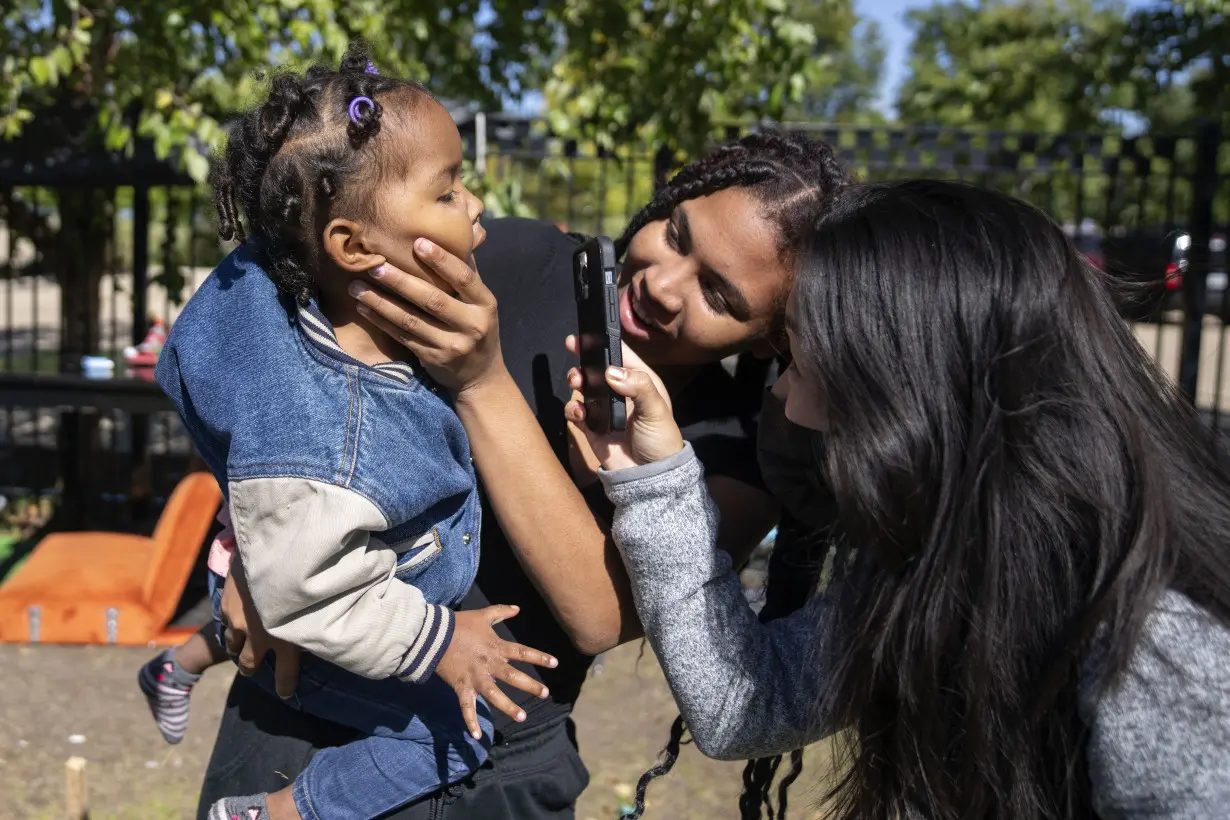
(319,579)
(1159,739)
(745,689)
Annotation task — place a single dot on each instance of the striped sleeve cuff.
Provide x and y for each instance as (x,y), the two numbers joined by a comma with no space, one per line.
(429,647)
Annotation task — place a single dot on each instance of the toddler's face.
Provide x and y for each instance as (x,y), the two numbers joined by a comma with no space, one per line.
(430,200)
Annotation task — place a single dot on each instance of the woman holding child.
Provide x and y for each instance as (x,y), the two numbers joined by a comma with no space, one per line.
(1027,609)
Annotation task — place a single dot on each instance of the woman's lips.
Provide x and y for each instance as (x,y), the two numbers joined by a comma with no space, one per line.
(628,320)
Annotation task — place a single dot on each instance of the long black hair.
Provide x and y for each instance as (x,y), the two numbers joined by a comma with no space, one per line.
(299,158)
(1016,483)
(793,178)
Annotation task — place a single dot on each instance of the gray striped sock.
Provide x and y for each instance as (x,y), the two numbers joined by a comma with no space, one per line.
(240,808)
(167,688)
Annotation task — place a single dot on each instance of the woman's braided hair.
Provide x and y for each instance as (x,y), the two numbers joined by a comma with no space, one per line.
(791,175)
(298,158)
(793,178)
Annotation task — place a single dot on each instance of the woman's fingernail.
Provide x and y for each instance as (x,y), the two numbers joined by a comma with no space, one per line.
(424,246)
(357,289)
(378,271)
(617,373)
(554,662)
(546,693)
(365,311)
(521,717)
(477,735)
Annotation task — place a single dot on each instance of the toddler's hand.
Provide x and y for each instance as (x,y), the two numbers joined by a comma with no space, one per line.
(652,433)
(477,657)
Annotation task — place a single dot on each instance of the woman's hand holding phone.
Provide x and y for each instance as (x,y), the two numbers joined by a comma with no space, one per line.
(651,434)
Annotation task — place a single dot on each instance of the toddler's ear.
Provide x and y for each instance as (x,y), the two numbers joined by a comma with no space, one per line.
(346,245)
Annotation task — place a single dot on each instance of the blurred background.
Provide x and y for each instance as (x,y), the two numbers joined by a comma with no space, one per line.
(1111,116)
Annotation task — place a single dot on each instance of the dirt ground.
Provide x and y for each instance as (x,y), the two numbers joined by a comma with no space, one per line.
(56,702)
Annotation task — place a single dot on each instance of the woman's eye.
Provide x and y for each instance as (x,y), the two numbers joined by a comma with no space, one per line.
(672,237)
(715,300)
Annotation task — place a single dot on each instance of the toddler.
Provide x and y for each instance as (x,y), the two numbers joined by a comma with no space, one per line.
(351,494)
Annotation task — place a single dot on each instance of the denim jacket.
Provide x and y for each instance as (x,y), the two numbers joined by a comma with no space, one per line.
(351,489)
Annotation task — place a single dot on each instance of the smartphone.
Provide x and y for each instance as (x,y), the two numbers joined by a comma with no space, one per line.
(598,336)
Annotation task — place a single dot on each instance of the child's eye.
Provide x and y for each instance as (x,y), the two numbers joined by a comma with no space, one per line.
(451,196)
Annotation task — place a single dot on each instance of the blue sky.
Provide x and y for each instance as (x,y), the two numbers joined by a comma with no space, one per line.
(890,14)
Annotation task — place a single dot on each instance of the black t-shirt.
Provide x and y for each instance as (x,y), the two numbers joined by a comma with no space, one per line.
(528,266)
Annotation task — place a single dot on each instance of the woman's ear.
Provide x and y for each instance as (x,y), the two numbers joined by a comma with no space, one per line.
(347,246)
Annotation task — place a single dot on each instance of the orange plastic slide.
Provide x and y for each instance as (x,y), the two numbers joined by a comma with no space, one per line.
(110,588)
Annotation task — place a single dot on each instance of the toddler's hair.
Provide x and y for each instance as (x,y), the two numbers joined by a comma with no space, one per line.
(305,155)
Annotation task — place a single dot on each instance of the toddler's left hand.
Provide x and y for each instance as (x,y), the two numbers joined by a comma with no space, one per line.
(477,657)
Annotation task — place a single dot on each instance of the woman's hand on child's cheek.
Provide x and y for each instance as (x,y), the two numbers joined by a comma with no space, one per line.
(453,331)
(246,638)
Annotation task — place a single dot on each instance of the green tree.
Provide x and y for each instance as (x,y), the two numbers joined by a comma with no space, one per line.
(88,76)
(846,66)
(666,71)
(1177,59)
(1048,65)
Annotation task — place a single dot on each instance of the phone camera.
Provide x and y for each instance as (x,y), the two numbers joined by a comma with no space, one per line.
(582,279)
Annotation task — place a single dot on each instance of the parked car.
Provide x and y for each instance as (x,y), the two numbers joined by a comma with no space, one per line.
(1151,267)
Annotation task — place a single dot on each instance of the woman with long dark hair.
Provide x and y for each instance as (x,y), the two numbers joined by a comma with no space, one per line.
(1027,613)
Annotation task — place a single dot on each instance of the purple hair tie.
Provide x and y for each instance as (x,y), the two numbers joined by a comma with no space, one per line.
(356,110)
(371,68)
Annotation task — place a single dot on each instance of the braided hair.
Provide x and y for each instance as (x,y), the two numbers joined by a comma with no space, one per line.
(793,178)
(791,175)
(300,157)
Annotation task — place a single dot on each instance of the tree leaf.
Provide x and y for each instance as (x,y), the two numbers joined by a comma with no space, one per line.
(196,165)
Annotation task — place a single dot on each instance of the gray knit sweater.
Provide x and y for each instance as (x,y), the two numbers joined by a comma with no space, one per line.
(1159,745)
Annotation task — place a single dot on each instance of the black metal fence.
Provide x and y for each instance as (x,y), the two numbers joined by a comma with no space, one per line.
(1124,200)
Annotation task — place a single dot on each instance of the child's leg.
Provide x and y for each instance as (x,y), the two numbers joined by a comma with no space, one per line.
(201,651)
(167,680)
(370,777)
(417,743)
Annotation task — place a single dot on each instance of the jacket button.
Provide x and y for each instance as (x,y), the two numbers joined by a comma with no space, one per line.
(465,539)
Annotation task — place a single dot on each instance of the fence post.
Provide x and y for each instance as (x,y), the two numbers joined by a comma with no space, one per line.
(1204,191)
(77,801)
(140,261)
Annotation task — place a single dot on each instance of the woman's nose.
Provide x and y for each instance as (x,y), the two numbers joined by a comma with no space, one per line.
(664,285)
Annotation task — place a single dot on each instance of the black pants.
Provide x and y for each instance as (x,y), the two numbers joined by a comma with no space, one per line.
(263,744)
